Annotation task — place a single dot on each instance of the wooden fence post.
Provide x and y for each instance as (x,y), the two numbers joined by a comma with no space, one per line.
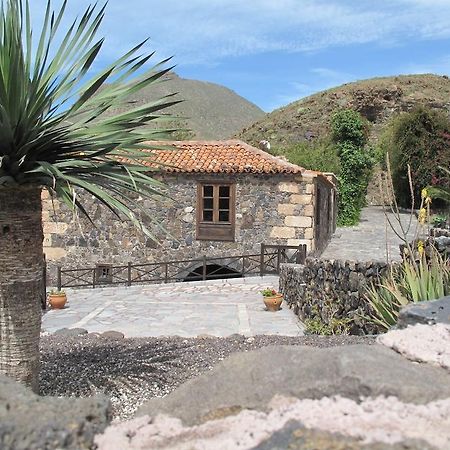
(58,280)
(93,277)
(278,259)
(261,261)
(303,254)
(204,268)
(129,274)
(166,273)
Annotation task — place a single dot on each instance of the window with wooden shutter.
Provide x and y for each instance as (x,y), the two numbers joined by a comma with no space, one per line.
(216,211)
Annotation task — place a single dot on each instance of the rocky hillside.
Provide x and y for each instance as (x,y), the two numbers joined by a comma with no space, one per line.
(211,111)
(377,99)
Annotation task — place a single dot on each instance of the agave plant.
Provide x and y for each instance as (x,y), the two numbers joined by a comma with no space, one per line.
(53,136)
(410,282)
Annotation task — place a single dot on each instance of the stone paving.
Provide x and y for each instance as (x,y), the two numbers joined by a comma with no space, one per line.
(217,308)
(367,241)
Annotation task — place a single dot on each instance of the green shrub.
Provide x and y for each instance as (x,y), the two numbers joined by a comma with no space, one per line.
(439,220)
(348,125)
(317,155)
(349,134)
(335,325)
(417,139)
(442,191)
(383,147)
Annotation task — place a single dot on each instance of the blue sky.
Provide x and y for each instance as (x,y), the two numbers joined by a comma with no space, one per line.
(273,52)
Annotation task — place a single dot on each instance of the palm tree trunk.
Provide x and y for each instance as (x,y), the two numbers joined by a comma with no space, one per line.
(21,283)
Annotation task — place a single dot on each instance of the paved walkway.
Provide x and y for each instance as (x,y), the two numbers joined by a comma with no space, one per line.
(367,241)
(217,308)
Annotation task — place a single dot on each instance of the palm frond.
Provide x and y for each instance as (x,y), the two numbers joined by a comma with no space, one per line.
(52,129)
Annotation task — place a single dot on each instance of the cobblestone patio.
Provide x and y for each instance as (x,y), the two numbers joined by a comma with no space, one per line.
(217,308)
(367,240)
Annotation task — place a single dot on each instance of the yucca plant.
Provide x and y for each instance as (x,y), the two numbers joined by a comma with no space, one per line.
(409,282)
(53,136)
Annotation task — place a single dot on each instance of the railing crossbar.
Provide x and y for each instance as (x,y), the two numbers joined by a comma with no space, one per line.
(266,262)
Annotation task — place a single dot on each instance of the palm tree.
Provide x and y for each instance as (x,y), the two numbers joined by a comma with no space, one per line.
(53,137)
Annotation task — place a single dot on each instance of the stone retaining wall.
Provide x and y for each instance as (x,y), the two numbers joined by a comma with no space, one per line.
(331,290)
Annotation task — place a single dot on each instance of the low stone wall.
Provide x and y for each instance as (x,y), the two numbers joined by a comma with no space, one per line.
(439,232)
(331,290)
(439,239)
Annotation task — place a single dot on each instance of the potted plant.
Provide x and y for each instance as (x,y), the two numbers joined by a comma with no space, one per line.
(272,299)
(57,299)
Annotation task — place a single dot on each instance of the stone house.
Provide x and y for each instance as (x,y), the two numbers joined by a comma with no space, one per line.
(227,198)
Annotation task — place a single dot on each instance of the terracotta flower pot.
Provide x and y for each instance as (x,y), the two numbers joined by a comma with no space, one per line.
(57,301)
(273,303)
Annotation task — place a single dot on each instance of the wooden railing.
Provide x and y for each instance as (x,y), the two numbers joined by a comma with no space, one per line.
(206,268)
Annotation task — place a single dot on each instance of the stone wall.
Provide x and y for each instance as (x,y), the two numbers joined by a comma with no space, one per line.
(331,289)
(274,209)
(439,232)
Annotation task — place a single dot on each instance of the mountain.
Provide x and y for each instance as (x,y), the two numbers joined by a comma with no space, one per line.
(211,111)
(377,99)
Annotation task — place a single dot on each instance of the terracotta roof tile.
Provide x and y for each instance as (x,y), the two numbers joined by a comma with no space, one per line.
(232,156)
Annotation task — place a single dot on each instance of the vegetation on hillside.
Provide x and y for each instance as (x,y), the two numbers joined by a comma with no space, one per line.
(349,134)
(419,140)
(316,155)
(301,130)
(378,100)
(441,188)
(208,110)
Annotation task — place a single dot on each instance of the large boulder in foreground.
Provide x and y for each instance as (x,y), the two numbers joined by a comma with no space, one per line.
(428,313)
(28,421)
(421,343)
(295,436)
(250,380)
(327,424)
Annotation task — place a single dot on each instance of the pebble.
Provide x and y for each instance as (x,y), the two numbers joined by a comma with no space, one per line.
(132,371)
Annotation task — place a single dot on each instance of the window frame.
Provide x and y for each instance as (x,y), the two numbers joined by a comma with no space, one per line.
(216,230)
(103,274)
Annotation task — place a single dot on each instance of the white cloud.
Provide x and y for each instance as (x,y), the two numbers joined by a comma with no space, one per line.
(322,78)
(440,66)
(204,31)
(331,74)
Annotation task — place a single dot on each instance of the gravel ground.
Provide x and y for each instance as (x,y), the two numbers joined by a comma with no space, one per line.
(131,371)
